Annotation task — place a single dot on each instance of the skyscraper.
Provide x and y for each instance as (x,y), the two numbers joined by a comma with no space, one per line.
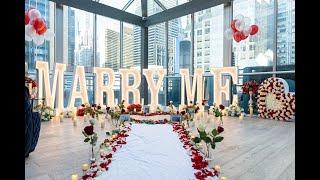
(136,46)
(286,32)
(85,56)
(128,43)
(185,57)
(112,49)
(208,38)
(71,39)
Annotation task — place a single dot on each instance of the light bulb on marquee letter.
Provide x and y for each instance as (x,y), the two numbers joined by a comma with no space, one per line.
(154,88)
(82,94)
(133,88)
(101,88)
(43,76)
(197,81)
(217,79)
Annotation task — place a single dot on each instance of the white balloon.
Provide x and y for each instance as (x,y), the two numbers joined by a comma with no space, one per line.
(27,34)
(247,21)
(34,13)
(247,30)
(48,35)
(239,17)
(27,37)
(30,31)
(239,25)
(38,39)
(229,33)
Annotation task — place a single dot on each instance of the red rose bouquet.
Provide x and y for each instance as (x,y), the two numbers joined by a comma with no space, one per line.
(250,86)
(34,86)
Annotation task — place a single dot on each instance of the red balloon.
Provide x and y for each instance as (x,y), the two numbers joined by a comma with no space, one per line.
(233,26)
(242,36)
(254,29)
(43,30)
(39,25)
(26,18)
(237,36)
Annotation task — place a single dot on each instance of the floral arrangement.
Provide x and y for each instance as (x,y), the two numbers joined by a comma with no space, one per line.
(218,112)
(159,110)
(149,121)
(234,110)
(34,86)
(90,136)
(191,108)
(121,106)
(107,149)
(115,113)
(68,114)
(250,86)
(172,108)
(274,102)
(210,139)
(47,113)
(80,111)
(186,117)
(133,107)
(94,110)
(157,113)
(198,162)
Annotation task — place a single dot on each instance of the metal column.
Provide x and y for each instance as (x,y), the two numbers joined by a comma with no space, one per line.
(144,53)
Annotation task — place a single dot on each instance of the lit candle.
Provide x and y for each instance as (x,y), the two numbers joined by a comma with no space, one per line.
(192,137)
(101,151)
(114,136)
(102,124)
(74,121)
(61,117)
(241,116)
(74,177)
(223,178)
(217,168)
(85,167)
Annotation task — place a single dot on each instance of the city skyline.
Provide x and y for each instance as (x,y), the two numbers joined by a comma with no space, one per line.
(208,32)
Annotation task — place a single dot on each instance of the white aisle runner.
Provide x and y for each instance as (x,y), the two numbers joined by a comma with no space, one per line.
(152,152)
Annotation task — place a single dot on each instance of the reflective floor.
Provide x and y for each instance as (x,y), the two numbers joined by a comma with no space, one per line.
(252,149)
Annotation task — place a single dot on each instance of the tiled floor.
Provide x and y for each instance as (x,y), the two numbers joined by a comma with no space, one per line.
(252,149)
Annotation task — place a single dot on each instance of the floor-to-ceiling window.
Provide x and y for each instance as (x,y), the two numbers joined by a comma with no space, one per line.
(78,43)
(45,51)
(93,40)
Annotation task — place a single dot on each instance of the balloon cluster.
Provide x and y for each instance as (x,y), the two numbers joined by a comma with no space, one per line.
(35,27)
(241,28)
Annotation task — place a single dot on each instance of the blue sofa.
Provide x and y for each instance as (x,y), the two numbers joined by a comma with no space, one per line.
(32,125)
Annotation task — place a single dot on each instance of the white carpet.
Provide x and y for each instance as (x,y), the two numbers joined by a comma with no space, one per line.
(152,152)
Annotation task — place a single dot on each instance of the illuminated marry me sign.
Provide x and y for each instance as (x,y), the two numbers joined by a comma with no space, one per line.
(54,95)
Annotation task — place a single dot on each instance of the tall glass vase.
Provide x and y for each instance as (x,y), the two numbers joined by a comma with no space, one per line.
(251,104)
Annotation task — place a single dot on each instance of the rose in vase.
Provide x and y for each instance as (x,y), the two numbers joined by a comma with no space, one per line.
(210,139)
(91,137)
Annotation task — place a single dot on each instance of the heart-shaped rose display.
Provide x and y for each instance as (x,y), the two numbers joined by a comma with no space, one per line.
(274,100)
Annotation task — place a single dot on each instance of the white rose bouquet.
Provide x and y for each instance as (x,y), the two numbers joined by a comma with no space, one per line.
(68,114)
(46,112)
